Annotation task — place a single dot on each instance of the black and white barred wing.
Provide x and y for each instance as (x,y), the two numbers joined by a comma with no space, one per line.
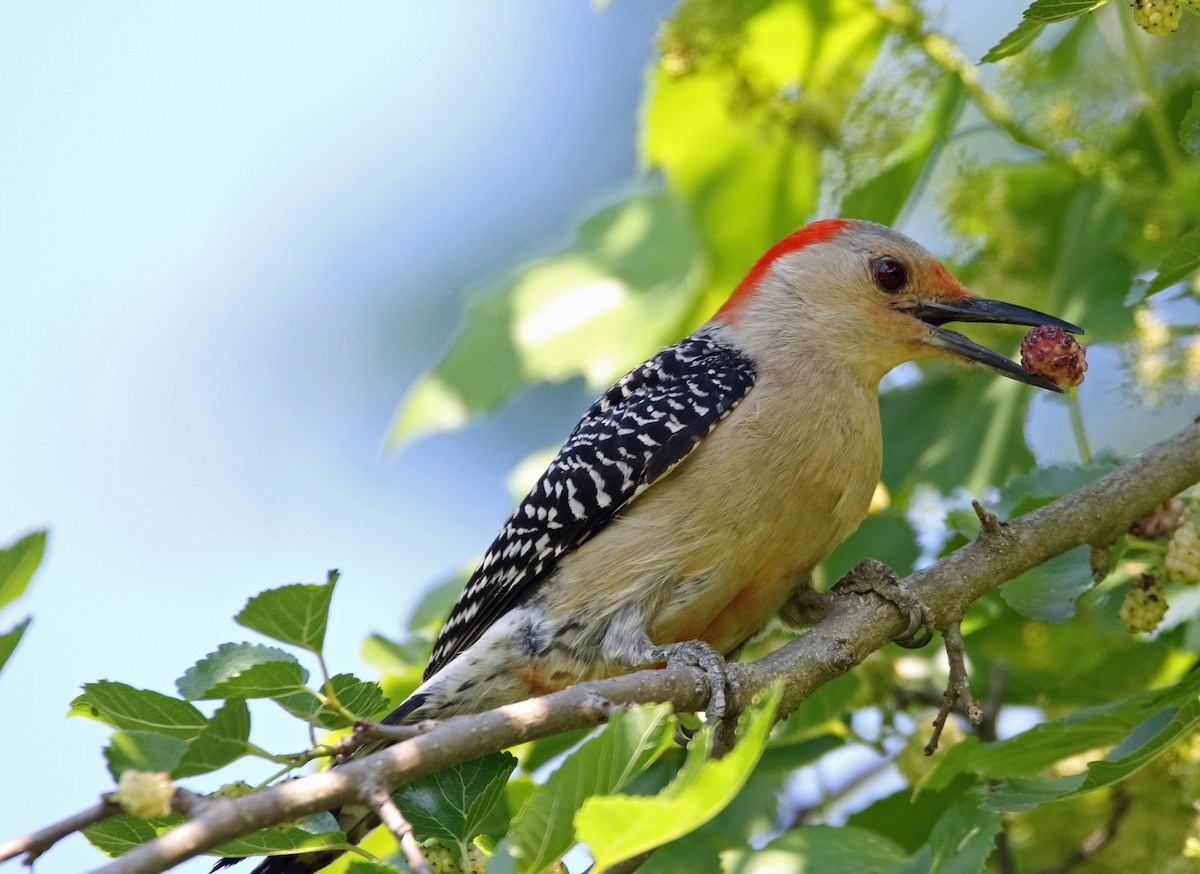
(633,435)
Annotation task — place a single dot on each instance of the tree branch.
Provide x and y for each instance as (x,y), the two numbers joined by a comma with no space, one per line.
(853,628)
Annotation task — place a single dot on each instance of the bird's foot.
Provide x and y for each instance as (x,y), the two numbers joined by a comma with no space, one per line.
(698,654)
(874,576)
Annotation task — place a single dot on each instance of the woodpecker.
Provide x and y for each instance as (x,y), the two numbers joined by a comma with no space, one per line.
(690,505)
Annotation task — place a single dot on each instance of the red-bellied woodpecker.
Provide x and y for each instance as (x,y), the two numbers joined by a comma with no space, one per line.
(695,497)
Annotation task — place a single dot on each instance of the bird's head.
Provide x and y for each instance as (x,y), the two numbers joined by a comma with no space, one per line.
(869,298)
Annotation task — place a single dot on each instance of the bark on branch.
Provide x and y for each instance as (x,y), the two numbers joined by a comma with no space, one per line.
(853,628)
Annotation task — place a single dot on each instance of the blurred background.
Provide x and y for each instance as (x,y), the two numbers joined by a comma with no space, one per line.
(231,237)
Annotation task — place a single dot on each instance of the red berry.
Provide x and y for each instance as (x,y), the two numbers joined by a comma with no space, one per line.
(1053,353)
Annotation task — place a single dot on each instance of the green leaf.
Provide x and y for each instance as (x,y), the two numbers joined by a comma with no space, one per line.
(1180,262)
(1015,41)
(1135,724)
(821,712)
(619,292)
(748,122)
(617,827)
(985,447)
(452,804)
(543,831)
(881,199)
(886,536)
(121,833)
(142,751)
(18,563)
(1189,128)
(295,614)
(10,639)
(1048,591)
(273,679)
(961,842)
(360,697)
(1024,793)
(223,673)
(814,848)
(1060,10)
(1148,740)
(222,741)
(133,709)
(316,832)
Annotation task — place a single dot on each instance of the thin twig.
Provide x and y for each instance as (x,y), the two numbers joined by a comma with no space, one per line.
(33,845)
(395,822)
(958,695)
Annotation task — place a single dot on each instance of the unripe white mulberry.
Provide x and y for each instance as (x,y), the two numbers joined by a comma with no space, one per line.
(145,793)
(1157,16)
(1144,606)
(1183,553)
(440,859)
(475,861)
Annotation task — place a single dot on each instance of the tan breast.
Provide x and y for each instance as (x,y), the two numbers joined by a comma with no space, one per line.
(715,549)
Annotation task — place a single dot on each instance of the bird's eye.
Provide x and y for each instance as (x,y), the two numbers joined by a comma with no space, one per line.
(889,274)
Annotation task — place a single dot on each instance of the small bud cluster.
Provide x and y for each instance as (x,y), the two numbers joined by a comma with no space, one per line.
(145,793)
(1157,16)
(1145,605)
(1183,553)
(1053,353)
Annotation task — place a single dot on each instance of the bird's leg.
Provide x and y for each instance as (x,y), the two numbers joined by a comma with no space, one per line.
(870,575)
(698,654)
(627,643)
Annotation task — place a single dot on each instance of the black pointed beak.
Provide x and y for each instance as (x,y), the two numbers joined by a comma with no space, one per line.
(981,309)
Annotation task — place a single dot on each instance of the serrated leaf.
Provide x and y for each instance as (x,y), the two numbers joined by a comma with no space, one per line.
(1015,41)
(543,831)
(119,834)
(819,848)
(361,697)
(961,841)
(316,832)
(1144,743)
(1060,10)
(125,707)
(274,679)
(1135,725)
(1189,128)
(295,614)
(1180,262)
(593,310)
(452,804)
(142,751)
(18,563)
(1026,793)
(229,662)
(617,827)
(222,741)
(10,639)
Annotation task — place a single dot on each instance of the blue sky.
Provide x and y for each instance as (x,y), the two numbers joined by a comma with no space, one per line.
(230,237)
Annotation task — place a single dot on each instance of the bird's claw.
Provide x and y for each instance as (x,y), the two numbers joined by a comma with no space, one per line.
(874,576)
(698,654)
